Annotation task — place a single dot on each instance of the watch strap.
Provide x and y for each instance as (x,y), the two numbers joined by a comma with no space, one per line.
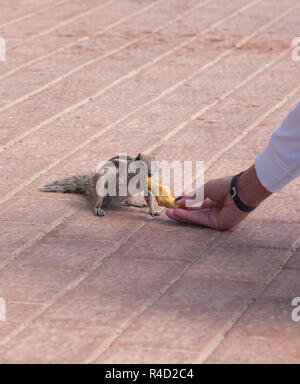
(234,194)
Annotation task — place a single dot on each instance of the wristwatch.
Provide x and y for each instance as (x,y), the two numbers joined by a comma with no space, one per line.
(234,193)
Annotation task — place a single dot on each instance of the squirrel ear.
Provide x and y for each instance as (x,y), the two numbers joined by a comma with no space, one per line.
(139,156)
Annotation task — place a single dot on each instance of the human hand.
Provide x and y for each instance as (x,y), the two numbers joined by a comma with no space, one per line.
(218,209)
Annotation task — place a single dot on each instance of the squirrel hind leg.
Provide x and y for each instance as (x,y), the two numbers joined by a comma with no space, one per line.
(99,211)
(97,207)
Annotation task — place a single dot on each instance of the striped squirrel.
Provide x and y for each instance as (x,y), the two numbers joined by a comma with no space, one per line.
(88,184)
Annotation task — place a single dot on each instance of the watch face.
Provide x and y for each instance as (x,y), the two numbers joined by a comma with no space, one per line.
(233,191)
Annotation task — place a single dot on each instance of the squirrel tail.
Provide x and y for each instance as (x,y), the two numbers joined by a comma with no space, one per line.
(75,184)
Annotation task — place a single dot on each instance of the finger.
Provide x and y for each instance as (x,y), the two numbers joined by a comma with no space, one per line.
(192,217)
(182,199)
(170,213)
(208,203)
(209,190)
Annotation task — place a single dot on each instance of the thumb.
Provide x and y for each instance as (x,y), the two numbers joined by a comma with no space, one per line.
(217,189)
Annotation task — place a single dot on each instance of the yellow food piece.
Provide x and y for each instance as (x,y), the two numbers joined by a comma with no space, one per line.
(164,195)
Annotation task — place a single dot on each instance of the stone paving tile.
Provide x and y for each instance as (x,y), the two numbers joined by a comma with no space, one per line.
(266,333)
(112,294)
(238,263)
(294,262)
(65,253)
(281,210)
(19,166)
(256,141)
(36,285)
(189,315)
(260,233)
(35,211)
(48,344)
(15,235)
(10,185)
(43,147)
(4,257)
(117,355)
(117,224)
(16,315)
(9,13)
(88,159)
(163,239)
(41,20)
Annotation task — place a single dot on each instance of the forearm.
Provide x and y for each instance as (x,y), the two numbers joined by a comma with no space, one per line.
(279,163)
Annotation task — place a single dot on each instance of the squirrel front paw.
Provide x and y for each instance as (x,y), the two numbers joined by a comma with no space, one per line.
(154,213)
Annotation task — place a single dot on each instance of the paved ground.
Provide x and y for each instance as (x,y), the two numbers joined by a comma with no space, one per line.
(188,80)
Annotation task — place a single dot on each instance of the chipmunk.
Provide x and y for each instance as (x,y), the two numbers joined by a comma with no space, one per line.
(89,185)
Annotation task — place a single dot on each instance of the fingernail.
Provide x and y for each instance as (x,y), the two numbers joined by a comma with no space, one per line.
(179,198)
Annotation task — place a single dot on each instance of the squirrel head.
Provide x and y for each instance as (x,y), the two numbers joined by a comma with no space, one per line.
(149,161)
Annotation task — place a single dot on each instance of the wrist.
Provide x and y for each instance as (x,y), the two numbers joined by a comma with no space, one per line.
(250,189)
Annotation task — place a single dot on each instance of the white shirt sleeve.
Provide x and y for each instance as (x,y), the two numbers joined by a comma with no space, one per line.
(279,163)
